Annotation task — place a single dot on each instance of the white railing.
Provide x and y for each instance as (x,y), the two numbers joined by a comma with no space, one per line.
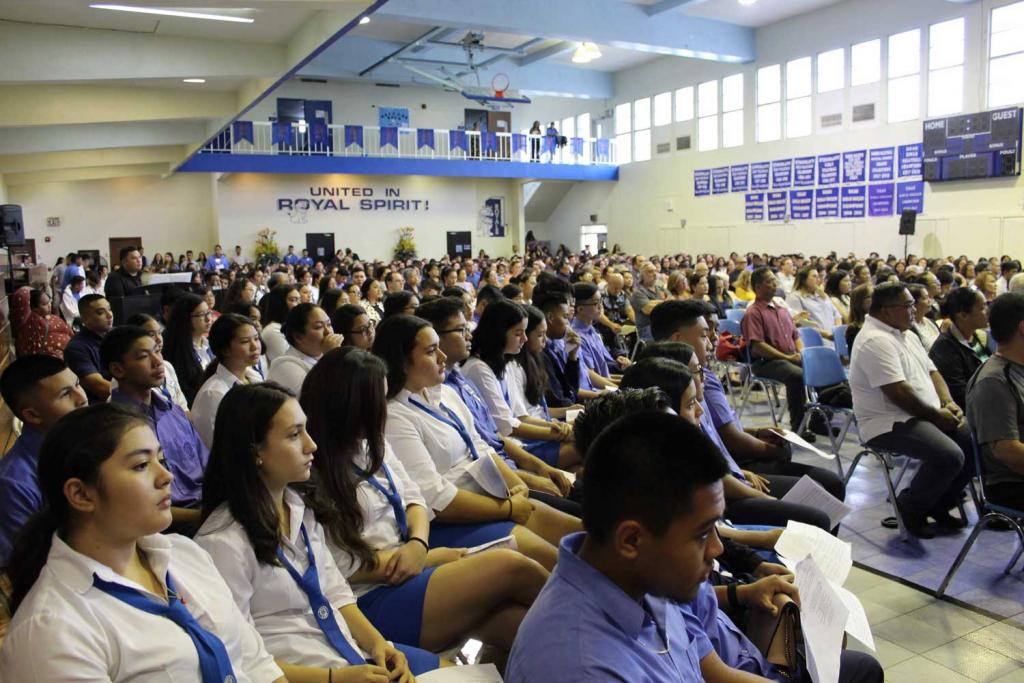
(587,152)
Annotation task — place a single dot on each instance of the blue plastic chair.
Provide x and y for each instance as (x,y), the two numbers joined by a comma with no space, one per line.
(740,304)
(842,349)
(822,368)
(770,386)
(986,513)
(810,337)
(734,314)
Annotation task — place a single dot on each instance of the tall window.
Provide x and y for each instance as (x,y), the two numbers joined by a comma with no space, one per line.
(583,130)
(707,116)
(1006,56)
(663,109)
(946,68)
(769,103)
(642,129)
(866,62)
(569,127)
(905,76)
(623,133)
(732,111)
(684,104)
(798,97)
(831,70)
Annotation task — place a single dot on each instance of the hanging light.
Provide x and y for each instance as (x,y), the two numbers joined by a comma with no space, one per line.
(586,52)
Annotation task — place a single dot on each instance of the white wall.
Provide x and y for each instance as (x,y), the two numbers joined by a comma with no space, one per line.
(644,209)
(247,203)
(172,214)
(3,191)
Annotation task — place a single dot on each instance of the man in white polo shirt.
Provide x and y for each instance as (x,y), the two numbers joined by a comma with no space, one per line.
(902,403)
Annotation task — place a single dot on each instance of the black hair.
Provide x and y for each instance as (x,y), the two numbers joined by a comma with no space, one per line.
(489,337)
(118,341)
(34,295)
(511,291)
(295,323)
(235,290)
(87,300)
(457,292)
(671,376)
(759,276)
(396,303)
(1007,266)
(832,283)
(438,311)
(582,291)
(330,299)
(140,320)
(431,284)
(243,420)
(344,317)
(489,293)
(344,401)
(801,277)
(178,347)
(959,300)
(21,376)
(669,316)
(395,340)
(673,350)
(222,333)
(548,285)
(533,363)
(886,294)
(276,310)
(610,406)
(1004,317)
(74,448)
(125,251)
(646,467)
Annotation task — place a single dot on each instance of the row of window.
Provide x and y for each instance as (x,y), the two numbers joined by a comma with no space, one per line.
(784,92)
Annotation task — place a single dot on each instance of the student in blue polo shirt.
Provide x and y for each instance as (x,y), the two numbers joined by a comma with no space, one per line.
(133,359)
(608,611)
(82,354)
(291,258)
(39,390)
(598,362)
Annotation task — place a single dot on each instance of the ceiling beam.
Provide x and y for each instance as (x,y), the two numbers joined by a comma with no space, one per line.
(558,48)
(50,161)
(41,139)
(605,22)
(78,174)
(666,5)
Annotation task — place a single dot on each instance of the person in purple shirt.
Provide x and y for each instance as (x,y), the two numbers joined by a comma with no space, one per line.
(598,362)
(609,611)
(448,320)
(217,260)
(134,361)
(39,390)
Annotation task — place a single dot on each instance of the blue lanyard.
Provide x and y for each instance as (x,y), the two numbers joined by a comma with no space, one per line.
(392,495)
(214,663)
(454,422)
(504,391)
(322,609)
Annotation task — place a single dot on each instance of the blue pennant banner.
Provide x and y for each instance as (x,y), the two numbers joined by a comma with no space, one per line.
(424,138)
(353,136)
(281,133)
(389,136)
(457,140)
(242,130)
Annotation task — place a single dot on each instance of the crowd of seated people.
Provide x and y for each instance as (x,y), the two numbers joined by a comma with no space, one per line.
(296,462)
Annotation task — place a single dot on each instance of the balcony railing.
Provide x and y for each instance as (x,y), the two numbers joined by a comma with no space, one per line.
(270,138)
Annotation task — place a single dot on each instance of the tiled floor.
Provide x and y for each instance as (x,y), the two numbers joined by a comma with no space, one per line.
(918,637)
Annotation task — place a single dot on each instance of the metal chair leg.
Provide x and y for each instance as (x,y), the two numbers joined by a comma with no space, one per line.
(853,466)
(772,393)
(892,496)
(1020,544)
(978,528)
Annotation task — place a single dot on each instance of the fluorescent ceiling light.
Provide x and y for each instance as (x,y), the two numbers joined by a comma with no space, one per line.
(175,13)
(747,3)
(193,80)
(364,21)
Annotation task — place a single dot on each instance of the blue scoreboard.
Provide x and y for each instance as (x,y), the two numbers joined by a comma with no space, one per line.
(982,145)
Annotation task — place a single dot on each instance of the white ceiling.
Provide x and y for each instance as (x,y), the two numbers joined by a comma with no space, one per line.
(761,13)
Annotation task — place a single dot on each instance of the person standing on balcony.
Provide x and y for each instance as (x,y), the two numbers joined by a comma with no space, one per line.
(535,133)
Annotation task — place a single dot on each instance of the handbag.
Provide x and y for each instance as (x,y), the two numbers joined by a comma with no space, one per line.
(778,637)
(730,347)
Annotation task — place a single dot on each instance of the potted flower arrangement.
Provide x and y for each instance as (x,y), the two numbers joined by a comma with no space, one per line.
(266,246)
(405,249)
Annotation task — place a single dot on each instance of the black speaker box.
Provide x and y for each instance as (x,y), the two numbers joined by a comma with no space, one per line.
(13,225)
(908,221)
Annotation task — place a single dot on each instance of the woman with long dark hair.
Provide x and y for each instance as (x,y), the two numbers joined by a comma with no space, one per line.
(499,336)
(271,550)
(276,305)
(185,342)
(99,592)
(472,491)
(242,290)
(377,523)
(310,335)
(236,346)
(353,323)
(372,296)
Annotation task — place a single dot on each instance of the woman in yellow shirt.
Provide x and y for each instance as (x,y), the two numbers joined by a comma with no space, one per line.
(743,289)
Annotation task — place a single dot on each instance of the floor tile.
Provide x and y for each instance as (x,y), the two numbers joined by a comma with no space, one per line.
(975,662)
(1012,677)
(1001,637)
(897,597)
(887,653)
(919,669)
(915,634)
(860,580)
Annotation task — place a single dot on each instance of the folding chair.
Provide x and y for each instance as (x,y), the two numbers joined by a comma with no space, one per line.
(740,304)
(885,458)
(770,386)
(810,337)
(734,314)
(986,513)
(822,368)
(839,338)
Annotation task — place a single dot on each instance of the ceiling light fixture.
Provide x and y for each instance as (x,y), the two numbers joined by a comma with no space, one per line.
(364,21)
(193,80)
(747,3)
(586,52)
(174,13)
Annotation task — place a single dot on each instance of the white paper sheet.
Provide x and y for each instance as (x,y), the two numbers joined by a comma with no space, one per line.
(857,623)
(809,492)
(506,542)
(832,556)
(823,619)
(485,472)
(479,673)
(571,415)
(795,439)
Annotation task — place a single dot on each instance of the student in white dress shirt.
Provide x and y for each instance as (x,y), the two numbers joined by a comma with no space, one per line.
(270,549)
(185,343)
(377,523)
(500,335)
(252,312)
(432,432)
(236,346)
(99,593)
(309,334)
(281,299)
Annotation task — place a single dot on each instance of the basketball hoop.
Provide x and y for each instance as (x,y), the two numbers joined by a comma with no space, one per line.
(500,84)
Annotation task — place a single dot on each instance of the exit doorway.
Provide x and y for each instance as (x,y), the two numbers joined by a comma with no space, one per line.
(593,237)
